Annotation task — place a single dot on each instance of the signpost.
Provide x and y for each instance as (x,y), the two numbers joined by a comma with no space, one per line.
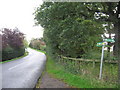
(100,76)
(109,40)
(103,44)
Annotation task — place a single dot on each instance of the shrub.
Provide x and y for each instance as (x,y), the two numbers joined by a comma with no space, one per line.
(12,43)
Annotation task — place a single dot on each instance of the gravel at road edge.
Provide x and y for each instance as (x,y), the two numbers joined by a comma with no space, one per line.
(49,82)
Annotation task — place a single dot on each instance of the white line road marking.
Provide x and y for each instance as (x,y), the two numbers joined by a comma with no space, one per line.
(14,66)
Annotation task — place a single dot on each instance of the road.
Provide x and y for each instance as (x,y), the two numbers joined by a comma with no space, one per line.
(24,72)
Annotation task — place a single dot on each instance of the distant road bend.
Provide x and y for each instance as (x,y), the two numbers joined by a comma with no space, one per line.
(24,72)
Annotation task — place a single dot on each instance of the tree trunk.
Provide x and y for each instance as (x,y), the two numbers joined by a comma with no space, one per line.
(118,44)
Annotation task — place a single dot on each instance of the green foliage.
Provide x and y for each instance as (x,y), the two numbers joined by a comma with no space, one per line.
(25,43)
(92,55)
(12,43)
(82,81)
(25,54)
(10,53)
(70,28)
(43,48)
(39,50)
(73,29)
(38,44)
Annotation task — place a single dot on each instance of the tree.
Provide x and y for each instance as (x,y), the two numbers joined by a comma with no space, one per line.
(118,44)
(12,43)
(12,38)
(37,43)
(107,12)
(70,28)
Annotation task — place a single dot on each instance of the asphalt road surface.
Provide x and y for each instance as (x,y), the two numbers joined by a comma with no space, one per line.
(24,72)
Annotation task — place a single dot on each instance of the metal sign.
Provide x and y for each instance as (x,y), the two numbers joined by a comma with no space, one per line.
(100,44)
(109,40)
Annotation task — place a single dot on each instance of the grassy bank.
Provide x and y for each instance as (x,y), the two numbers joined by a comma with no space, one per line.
(78,81)
(26,53)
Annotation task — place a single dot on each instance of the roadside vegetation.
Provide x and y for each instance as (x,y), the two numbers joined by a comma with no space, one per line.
(38,44)
(72,30)
(67,73)
(13,44)
(38,50)
(25,54)
(78,80)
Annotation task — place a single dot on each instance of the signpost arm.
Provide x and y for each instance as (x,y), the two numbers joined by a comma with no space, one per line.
(100,75)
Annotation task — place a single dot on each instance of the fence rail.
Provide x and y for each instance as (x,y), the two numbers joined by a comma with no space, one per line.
(89,60)
(89,68)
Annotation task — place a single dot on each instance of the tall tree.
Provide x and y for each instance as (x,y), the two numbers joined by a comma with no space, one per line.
(70,28)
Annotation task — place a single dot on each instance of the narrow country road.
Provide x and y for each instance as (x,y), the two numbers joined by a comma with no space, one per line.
(24,72)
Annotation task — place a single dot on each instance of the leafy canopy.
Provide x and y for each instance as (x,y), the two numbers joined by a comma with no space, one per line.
(70,28)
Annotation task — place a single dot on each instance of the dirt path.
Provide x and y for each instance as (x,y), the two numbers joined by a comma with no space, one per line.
(50,82)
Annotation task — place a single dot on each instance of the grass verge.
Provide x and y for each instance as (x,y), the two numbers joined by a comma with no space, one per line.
(26,53)
(38,50)
(78,81)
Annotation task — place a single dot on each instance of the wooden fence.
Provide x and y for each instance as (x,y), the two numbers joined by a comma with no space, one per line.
(89,60)
(89,67)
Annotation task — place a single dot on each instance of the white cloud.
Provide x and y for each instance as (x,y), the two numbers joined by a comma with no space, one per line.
(18,13)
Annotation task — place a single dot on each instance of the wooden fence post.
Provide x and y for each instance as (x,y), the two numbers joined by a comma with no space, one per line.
(93,63)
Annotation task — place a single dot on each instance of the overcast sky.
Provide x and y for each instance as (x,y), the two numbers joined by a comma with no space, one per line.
(19,13)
